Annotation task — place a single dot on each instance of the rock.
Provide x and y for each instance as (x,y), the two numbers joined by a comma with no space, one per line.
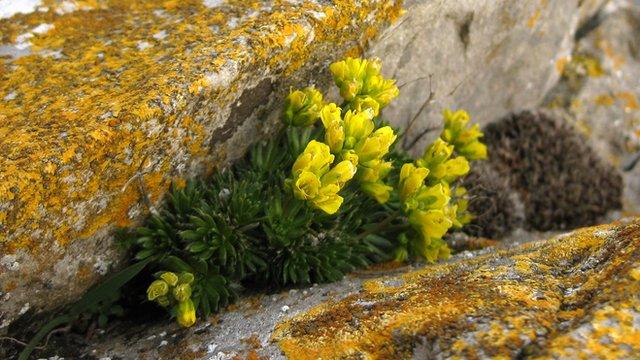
(572,296)
(490,57)
(104,104)
(600,91)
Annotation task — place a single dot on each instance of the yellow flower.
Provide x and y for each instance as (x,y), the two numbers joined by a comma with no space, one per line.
(380,89)
(339,174)
(182,292)
(170,278)
(328,199)
(432,224)
(157,289)
(433,197)
(364,103)
(374,170)
(377,190)
(186,313)
(465,140)
(330,113)
(375,146)
(438,152)
(451,169)
(334,132)
(351,156)
(474,151)
(349,75)
(315,158)
(411,180)
(306,185)
(163,301)
(302,107)
(357,126)
(454,123)
(431,249)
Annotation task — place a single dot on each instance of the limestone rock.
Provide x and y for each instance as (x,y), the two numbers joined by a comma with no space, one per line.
(490,57)
(574,296)
(600,90)
(103,104)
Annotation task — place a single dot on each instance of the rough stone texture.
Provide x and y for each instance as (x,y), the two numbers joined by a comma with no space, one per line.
(574,296)
(490,57)
(104,103)
(602,97)
(577,293)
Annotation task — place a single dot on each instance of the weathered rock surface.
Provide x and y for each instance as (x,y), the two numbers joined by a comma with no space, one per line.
(577,294)
(600,90)
(490,57)
(574,296)
(103,104)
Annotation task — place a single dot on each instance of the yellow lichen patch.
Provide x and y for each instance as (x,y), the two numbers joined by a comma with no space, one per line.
(604,100)
(530,299)
(629,99)
(117,90)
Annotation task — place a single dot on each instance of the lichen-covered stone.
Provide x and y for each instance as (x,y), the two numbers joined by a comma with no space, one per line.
(104,103)
(572,297)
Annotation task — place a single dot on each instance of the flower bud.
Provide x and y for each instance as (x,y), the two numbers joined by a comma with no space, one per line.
(186,313)
(170,278)
(377,190)
(302,107)
(182,292)
(156,289)
(411,180)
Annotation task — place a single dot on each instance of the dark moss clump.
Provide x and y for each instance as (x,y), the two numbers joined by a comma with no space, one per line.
(562,182)
(492,202)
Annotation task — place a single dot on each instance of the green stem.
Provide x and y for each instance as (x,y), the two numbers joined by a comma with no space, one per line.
(60,320)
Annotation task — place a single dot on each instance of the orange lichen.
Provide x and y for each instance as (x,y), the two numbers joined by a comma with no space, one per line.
(604,100)
(112,84)
(498,305)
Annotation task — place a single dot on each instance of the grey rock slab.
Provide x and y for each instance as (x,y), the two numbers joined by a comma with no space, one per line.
(489,57)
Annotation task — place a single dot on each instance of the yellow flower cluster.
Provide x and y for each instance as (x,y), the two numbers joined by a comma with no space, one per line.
(425,188)
(314,179)
(362,85)
(353,138)
(350,135)
(302,107)
(171,289)
(426,207)
(464,139)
